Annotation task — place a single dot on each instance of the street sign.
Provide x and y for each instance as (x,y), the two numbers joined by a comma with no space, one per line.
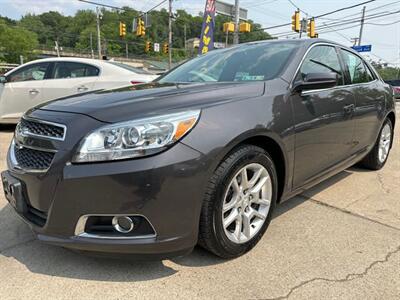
(218,45)
(156,47)
(362,48)
(228,9)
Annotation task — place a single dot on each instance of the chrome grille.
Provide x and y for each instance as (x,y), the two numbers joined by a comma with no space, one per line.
(42,129)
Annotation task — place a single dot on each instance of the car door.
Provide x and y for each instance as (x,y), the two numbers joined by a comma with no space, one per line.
(69,78)
(370,99)
(323,118)
(23,90)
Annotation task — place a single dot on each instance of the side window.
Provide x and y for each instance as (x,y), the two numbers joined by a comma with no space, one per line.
(74,70)
(321,59)
(370,77)
(29,73)
(356,68)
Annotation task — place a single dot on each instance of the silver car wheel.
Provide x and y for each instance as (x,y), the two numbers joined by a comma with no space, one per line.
(246,203)
(384,143)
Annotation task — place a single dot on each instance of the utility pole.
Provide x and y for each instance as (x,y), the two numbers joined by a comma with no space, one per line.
(170,34)
(184,35)
(98,31)
(362,26)
(236,33)
(126,50)
(57,48)
(91,45)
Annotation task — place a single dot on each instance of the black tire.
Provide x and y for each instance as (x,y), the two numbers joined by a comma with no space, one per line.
(211,232)
(371,161)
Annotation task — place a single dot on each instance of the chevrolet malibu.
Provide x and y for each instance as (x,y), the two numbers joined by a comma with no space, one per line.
(202,155)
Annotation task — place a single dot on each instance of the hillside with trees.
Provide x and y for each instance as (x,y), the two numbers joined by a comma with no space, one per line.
(78,32)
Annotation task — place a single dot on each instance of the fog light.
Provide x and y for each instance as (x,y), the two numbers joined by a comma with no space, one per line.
(123,224)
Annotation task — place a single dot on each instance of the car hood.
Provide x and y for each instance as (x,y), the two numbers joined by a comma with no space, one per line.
(152,99)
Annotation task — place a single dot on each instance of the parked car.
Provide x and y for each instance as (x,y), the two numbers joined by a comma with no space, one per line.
(203,154)
(396,87)
(46,79)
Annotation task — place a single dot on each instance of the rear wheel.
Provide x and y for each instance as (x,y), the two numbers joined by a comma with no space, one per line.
(378,156)
(239,202)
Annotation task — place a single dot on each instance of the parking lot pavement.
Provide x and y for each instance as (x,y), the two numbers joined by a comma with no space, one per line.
(339,240)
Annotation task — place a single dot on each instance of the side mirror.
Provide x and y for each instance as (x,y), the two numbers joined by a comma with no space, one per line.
(315,81)
(3,79)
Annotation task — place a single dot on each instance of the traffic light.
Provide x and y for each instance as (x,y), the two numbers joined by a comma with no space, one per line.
(140,29)
(165,48)
(296,21)
(229,27)
(311,29)
(122,29)
(244,27)
(147,46)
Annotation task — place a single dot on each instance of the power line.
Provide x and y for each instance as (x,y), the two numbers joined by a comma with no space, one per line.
(319,16)
(121,8)
(342,9)
(297,7)
(329,27)
(100,4)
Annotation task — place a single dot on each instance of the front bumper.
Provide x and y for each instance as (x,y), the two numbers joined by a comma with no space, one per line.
(167,189)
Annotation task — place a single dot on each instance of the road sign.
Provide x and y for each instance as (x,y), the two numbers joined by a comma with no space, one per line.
(156,47)
(362,48)
(228,9)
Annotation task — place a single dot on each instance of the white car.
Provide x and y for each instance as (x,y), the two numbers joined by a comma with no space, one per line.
(46,79)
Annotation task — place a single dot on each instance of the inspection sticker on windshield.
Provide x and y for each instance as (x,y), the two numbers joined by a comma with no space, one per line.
(241,76)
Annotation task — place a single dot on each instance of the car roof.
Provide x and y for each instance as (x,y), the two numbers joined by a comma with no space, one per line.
(301,42)
(103,64)
(71,59)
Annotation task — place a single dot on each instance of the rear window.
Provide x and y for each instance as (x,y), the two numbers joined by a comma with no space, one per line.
(129,68)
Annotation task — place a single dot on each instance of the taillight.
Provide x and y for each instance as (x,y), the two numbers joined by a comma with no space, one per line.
(396,89)
(136,82)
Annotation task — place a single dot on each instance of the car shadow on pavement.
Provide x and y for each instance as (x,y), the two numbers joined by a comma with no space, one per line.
(17,242)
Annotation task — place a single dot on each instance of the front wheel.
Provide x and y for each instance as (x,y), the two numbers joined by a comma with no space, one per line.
(239,202)
(378,156)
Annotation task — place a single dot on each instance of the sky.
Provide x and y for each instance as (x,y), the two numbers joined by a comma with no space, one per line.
(380,33)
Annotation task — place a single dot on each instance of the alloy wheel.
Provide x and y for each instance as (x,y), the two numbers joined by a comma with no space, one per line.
(246,203)
(384,143)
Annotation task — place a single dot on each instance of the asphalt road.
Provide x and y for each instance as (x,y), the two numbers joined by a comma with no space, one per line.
(338,240)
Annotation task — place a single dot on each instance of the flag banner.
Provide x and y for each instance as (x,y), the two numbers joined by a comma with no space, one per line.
(207,30)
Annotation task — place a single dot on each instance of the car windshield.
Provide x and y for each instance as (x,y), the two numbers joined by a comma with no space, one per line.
(130,68)
(249,62)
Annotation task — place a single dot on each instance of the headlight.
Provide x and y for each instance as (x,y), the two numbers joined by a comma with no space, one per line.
(135,138)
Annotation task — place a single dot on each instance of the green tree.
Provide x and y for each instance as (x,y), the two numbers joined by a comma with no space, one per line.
(78,31)
(16,41)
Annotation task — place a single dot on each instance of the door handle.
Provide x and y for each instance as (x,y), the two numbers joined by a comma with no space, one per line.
(348,109)
(82,88)
(33,92)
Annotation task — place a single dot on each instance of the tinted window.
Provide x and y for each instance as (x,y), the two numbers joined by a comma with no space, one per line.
(357,70)
(321,59)
(249,62)
(130,68)
(33,72)
(74,70)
